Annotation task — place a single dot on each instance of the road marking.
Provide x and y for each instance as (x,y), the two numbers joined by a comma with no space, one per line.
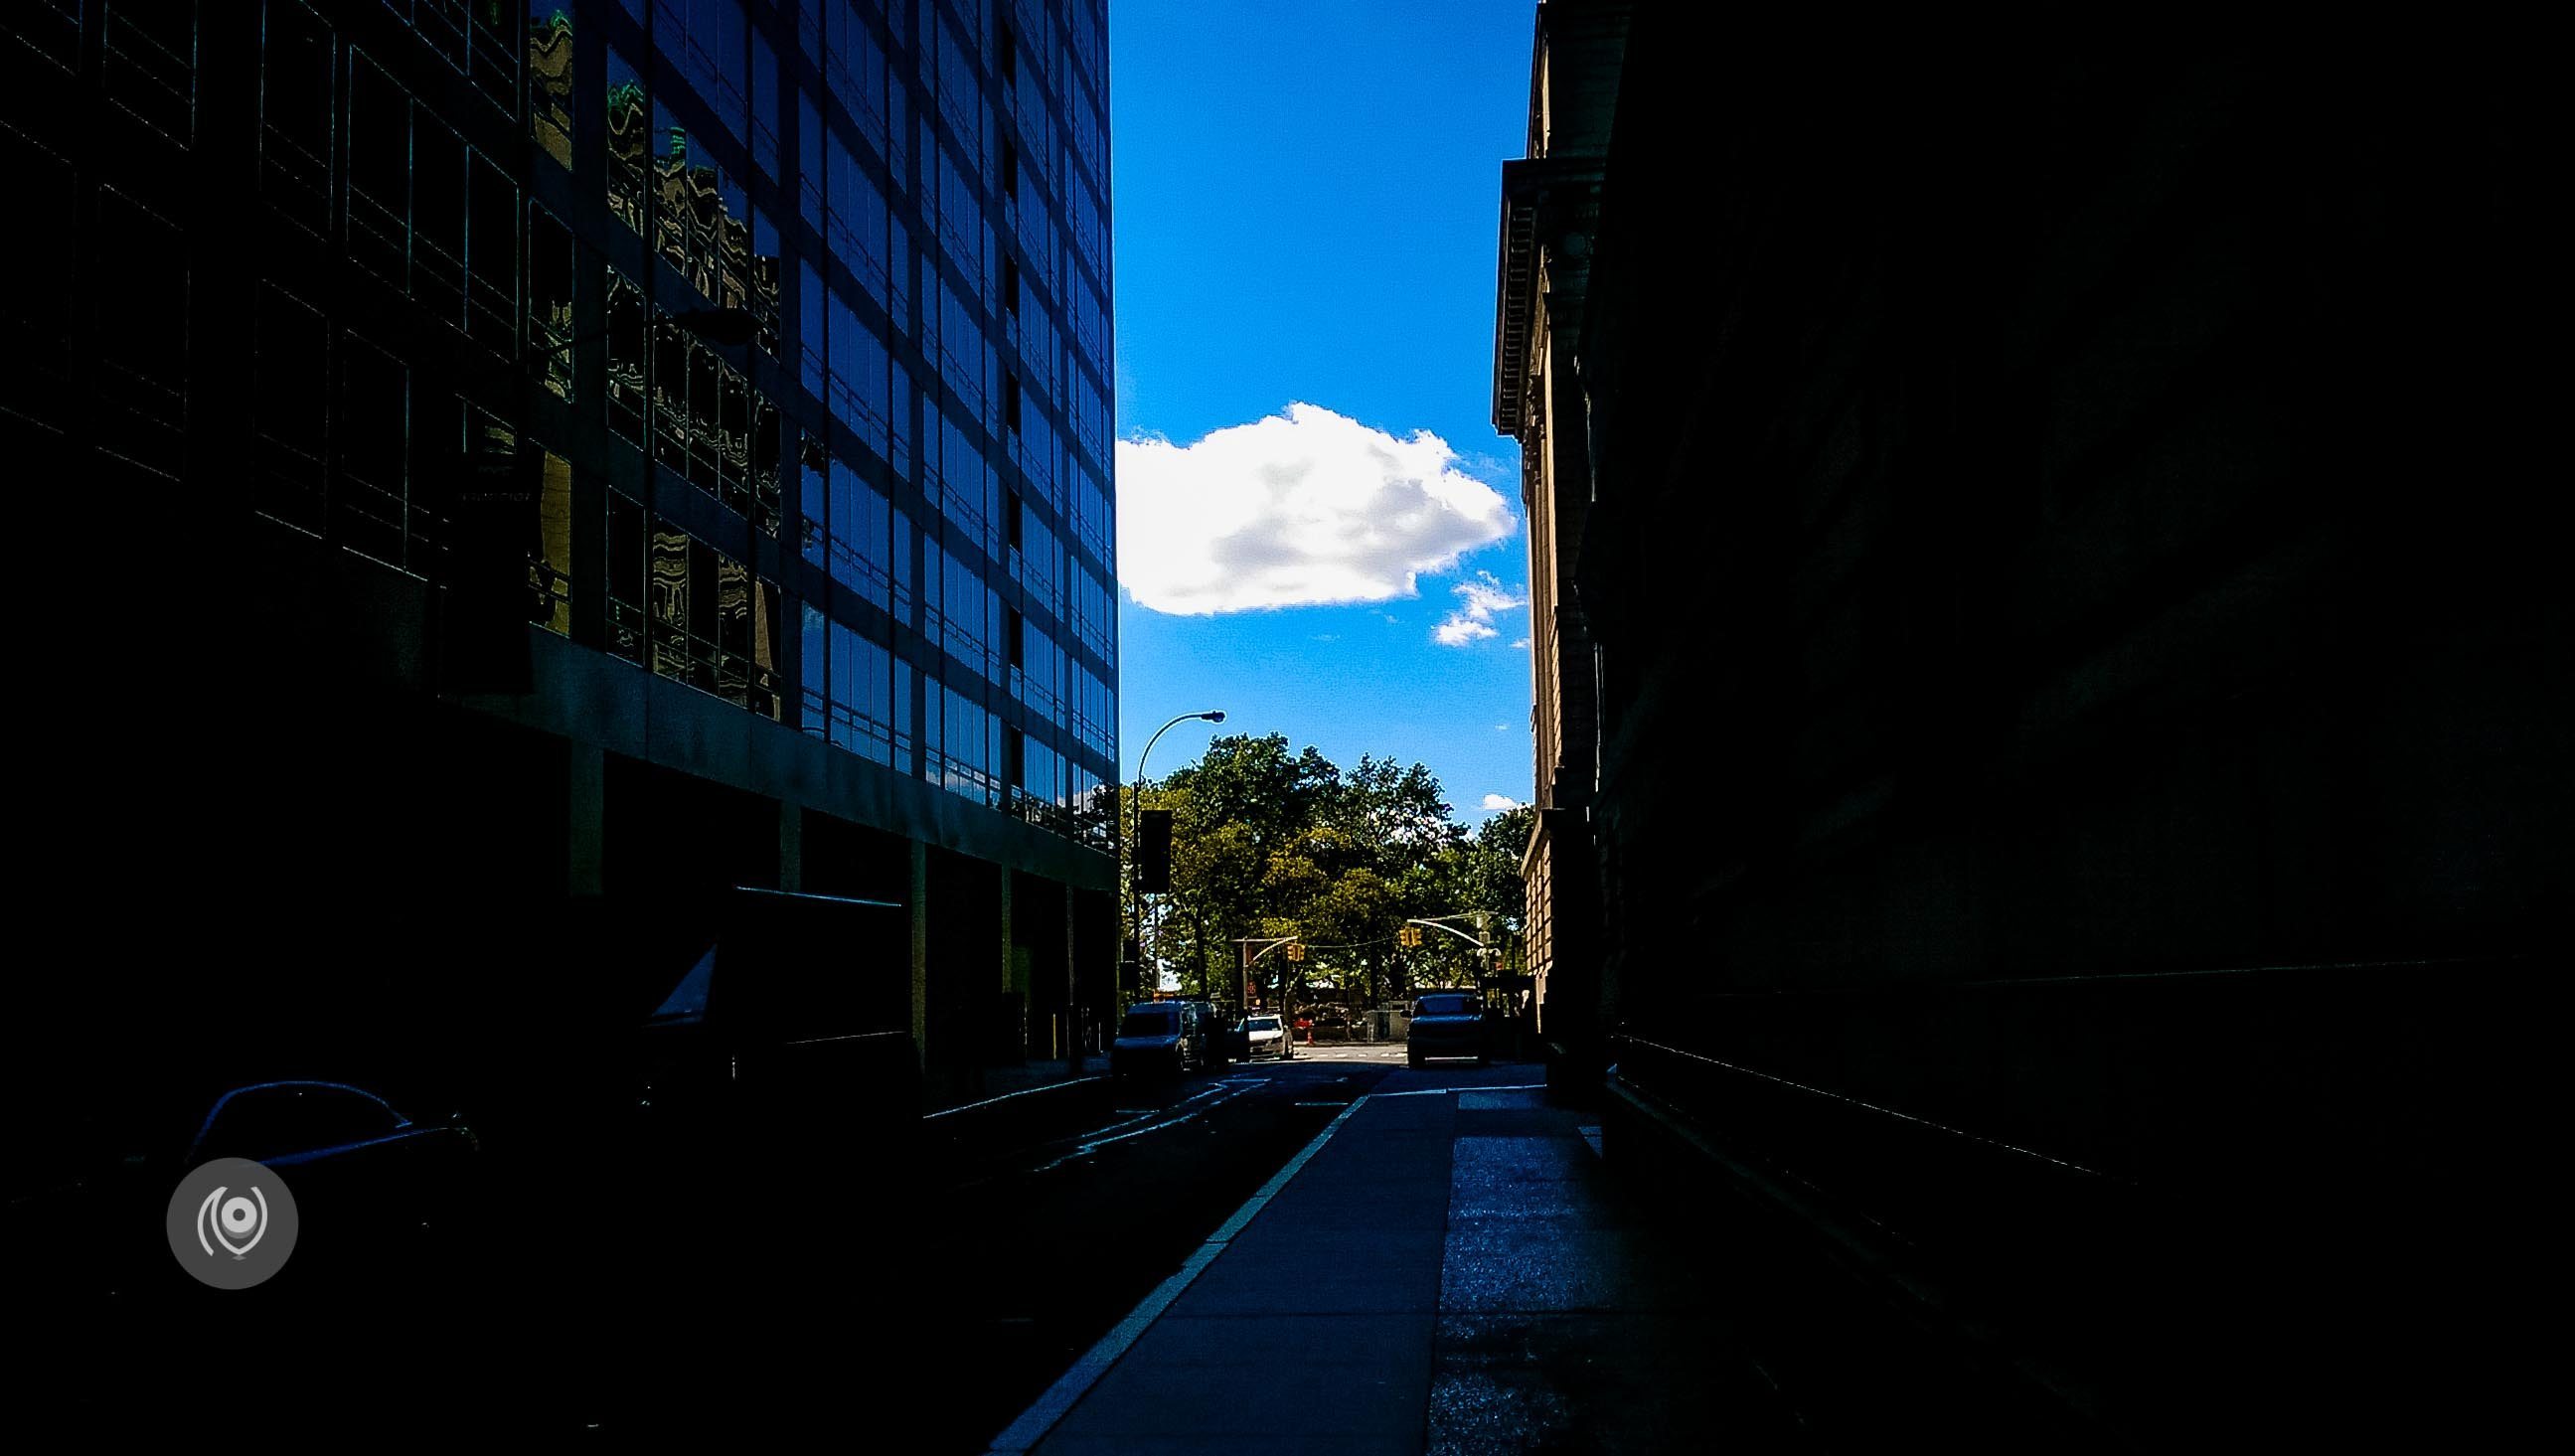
(1006,1096)
(1060,1397)
(1135,1114)
(1095,1143)
(1453,1091)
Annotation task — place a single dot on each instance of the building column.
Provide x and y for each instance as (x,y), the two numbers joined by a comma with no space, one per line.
(1010,981)
(921,953)
(585,819)
(1072,991)
(791,847)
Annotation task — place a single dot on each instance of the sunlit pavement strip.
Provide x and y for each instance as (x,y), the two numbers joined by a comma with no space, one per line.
(1060,1399)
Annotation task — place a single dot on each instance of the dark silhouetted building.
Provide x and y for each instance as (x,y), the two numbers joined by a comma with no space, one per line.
(528,457)
(2081,693)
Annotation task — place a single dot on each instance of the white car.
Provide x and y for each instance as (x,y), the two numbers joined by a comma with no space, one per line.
(1265,1036)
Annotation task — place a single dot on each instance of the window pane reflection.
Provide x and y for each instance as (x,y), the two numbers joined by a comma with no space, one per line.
(550,572)
(550,85)
(295,115)
(627,631)
(626,123)
(550,301)
(625,335)
(372,506)
(291,405)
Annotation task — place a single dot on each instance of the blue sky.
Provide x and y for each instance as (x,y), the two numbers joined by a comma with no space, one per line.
(1305,212)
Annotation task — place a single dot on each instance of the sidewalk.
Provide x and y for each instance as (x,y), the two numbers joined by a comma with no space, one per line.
(1446,1268)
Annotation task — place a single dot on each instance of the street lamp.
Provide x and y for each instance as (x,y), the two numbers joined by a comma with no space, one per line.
(1134,871)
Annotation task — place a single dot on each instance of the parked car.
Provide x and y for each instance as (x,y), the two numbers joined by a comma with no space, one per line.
(1162,1038)
(1264,1036)
(1446,1025)
(382,1198)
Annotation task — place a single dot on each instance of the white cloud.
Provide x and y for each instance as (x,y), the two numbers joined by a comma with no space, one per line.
(1299,508)
(1522,644)
(1495,804)
(1478,603)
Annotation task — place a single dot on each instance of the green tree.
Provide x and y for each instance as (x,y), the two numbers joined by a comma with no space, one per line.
(1269,842)
(1398,810)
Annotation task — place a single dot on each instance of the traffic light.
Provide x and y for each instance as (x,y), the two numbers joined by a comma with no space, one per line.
(1153,850)
(1296,949)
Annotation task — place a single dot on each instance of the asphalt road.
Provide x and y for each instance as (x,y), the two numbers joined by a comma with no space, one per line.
(924,1312)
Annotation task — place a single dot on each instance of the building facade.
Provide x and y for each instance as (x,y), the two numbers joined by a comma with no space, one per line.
(590,454)
(2080,699)
(1551,208)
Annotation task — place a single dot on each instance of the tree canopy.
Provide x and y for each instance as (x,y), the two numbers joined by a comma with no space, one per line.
(1269,842)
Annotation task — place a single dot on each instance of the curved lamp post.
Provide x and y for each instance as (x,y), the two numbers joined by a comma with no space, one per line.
(1134,876)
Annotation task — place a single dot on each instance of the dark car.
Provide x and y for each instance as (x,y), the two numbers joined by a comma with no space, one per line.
(1446,1025)
(380,1195)
(1163,1038)
(380,1192)
(391,1225)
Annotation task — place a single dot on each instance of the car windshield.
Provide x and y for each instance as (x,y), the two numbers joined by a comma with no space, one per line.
(279,1119)
(1150,1021)
(1264,1023)
(1445,1007)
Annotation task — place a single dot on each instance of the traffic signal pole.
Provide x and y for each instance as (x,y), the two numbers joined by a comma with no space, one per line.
(1483,951)
(1135,868)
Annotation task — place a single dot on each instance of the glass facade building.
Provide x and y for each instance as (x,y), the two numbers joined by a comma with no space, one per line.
(755,352)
